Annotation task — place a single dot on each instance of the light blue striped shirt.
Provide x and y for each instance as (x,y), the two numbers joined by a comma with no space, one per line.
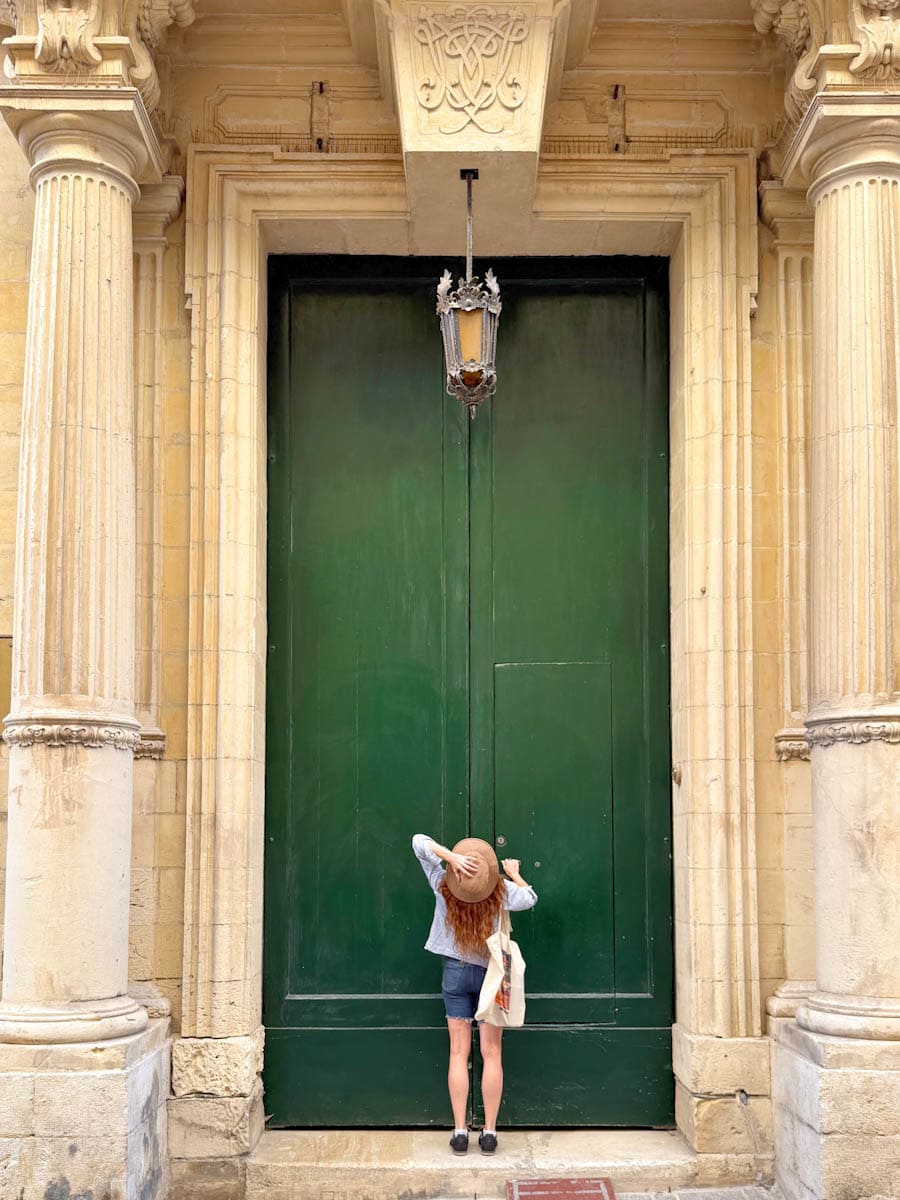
(440,939)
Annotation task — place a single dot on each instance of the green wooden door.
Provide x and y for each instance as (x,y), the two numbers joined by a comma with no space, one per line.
(467,634)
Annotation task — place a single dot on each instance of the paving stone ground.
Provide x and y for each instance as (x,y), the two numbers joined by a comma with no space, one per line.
(735,1193)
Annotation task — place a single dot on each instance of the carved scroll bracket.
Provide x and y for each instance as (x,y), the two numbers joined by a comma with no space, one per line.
(872,56)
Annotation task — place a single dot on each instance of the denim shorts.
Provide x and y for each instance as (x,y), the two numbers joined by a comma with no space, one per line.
(461,986)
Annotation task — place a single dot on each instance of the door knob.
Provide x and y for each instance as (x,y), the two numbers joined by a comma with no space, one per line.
(501,840)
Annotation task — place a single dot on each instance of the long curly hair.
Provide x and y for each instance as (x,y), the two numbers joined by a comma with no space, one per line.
(472,923)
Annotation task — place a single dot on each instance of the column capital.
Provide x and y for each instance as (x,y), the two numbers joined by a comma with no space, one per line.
(61,127)
(787,213)
(158,206)
(842,134)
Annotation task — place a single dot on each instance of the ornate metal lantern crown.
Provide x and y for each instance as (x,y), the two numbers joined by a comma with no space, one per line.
(469,318)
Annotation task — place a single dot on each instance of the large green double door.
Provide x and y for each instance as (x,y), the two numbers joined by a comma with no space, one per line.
(468,627)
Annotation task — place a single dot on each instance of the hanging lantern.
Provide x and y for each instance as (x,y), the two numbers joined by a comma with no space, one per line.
(469,318)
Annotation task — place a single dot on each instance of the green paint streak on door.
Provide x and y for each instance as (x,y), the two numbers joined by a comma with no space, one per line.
(467,633)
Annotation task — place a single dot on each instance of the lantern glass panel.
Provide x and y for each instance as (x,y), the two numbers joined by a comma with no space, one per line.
(470,334)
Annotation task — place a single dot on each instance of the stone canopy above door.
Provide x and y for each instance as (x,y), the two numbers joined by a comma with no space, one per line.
(471,82)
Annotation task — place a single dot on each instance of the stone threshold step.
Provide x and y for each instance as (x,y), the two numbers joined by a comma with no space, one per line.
(418,1164)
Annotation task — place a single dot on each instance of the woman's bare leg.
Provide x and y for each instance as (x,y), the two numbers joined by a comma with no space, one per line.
(491,1073)
(458,1073)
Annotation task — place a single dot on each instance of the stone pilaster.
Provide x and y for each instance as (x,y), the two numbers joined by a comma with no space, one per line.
(790,219)
(837,1069)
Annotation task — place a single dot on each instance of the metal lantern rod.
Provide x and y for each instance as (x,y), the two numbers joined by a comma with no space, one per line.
(468,175)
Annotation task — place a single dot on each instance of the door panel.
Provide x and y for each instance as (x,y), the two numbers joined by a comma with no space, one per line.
(553,790)
(467,633)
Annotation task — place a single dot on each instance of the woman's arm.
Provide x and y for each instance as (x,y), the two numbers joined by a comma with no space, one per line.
(429,853)
(520,895)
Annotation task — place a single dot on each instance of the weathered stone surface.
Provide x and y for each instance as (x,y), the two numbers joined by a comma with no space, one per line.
(725,1124)
(208,1179)
(16,1167)
(216,1066)
(721,1066)
(215,1126)
(16,1104)
(341,1165)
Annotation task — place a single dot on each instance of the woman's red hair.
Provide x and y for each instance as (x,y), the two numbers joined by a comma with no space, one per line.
(472,923)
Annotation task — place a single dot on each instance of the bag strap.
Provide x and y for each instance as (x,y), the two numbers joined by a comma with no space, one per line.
(505,922)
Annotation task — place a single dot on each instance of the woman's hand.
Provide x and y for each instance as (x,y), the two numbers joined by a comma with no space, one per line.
(463,865)
(511,867)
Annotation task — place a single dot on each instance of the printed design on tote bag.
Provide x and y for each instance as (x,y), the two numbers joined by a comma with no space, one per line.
(503,991)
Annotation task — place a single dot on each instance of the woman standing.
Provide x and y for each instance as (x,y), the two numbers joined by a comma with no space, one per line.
(468,898)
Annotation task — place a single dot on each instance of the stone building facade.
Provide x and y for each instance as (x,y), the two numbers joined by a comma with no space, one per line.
(157,152)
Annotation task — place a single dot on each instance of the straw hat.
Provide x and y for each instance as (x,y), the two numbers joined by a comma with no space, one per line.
(479,886)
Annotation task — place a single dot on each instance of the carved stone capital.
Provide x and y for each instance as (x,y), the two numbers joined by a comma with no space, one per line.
(104,41)
(792,745)
(158,206)
(106,130)
(151,743)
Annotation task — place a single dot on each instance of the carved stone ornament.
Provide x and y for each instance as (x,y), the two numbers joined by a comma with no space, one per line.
(792,745)
(9,16)
(66,32)
(151,744)
(148,22)
(799,24)
(855,730)
(472,63)
(875,26)
(110,41)
(93,735)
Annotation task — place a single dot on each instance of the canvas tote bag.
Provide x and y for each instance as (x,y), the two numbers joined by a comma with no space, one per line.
(502,998)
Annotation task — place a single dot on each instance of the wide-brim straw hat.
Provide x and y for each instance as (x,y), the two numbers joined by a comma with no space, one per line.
(479,886)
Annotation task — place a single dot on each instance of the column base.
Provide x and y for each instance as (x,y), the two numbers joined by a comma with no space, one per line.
(866,1017)
(837,1115)
(785,1000)
(77,1021)
(86,1119)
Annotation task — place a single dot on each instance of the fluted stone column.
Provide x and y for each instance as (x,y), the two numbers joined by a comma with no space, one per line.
(72,729)
(854,719)
(836,1069)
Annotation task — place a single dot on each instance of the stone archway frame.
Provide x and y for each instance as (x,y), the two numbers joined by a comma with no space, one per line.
(700,209)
